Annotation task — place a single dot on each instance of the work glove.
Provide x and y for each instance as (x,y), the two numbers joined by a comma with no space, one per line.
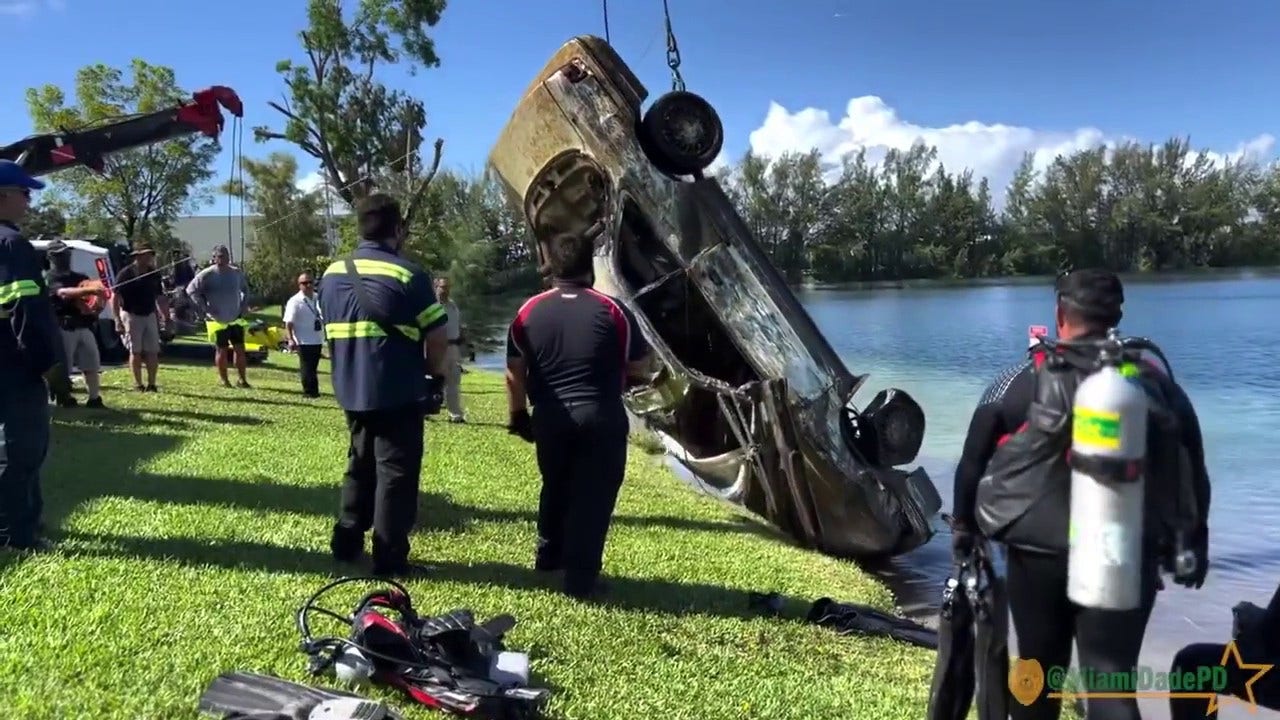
(963,539)
(435,395)
(521,424)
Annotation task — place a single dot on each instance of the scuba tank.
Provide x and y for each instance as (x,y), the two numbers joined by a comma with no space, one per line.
(1108,453)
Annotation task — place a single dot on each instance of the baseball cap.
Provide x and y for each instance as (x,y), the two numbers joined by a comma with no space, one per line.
(1094,292)
(12,175)
(57,247)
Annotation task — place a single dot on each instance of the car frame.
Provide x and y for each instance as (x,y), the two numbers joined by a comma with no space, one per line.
(745,391)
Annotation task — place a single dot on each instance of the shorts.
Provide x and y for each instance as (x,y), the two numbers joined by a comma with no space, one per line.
(142,334)
(229,336)
(82,349)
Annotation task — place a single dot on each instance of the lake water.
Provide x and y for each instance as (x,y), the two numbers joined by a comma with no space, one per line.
(1222,337)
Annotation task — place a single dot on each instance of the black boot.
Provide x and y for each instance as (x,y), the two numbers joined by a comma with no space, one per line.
(346,544)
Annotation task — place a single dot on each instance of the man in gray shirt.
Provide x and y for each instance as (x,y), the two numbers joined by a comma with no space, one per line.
(221,295)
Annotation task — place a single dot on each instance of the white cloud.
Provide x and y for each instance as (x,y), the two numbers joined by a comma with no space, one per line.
(991,151)
(311,181)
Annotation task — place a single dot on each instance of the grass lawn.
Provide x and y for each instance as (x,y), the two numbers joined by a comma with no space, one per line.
(193,522)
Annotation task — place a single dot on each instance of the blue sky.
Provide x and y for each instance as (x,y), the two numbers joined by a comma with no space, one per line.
(984,80)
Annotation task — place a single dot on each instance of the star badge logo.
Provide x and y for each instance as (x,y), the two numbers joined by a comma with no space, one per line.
(1232,653)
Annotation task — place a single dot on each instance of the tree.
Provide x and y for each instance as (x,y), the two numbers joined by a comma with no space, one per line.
(140,191)
(1131,208)
(337,111)
(288,237)
(44,221)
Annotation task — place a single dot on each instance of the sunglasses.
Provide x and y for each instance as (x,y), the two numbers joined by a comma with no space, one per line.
(305,282)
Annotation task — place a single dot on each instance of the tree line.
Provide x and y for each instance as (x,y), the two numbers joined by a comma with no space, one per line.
(1132,208)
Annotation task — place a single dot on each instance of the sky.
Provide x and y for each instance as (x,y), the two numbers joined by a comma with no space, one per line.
(985,81)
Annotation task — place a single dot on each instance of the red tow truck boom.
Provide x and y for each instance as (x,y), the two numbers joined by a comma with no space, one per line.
(43,154)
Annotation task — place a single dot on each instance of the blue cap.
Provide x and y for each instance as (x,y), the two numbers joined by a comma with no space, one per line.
(12,175)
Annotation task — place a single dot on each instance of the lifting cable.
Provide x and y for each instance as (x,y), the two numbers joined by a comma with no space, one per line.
(605,5)
(673,51)
(237,181)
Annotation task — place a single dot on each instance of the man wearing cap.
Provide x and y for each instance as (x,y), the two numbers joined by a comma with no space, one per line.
(221,293)
(30,346)
(1035,524)
(141,310)
(76,321)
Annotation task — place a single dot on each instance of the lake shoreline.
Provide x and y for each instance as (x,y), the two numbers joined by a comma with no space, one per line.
(1196,275)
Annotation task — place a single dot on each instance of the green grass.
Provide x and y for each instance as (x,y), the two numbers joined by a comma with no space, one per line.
(193,522)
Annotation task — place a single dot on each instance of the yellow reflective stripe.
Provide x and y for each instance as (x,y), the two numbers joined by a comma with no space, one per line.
(363,329)
(15,291)
(433,313)
(365,266)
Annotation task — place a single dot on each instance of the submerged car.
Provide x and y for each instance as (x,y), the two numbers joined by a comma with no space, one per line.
(745,391)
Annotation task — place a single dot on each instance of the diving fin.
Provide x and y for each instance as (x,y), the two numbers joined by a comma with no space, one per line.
(249,696)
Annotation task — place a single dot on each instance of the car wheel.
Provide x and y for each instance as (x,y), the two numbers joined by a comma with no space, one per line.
(684,132)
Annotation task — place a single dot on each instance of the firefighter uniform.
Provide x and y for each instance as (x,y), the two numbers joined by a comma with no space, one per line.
(379,380)
(30,346)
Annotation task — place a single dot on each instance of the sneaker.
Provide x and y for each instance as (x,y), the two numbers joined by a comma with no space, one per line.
(598,592)
(94,402)
(458,420)
(66,401)
(152,388)
(140,388)
(244,384)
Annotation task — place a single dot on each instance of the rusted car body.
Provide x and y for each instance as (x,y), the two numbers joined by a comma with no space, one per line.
(746,392)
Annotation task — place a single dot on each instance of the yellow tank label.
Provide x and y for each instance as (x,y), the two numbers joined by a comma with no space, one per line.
(1096,427)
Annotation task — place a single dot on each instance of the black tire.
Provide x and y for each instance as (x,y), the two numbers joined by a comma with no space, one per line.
(683,132)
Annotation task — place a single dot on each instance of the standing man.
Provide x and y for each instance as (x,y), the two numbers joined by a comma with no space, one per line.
(381,318)
(453,356)
(141,309)
(570,352)
(222,295)
(77,322)
(304,324)
(1028,399)
(30,346)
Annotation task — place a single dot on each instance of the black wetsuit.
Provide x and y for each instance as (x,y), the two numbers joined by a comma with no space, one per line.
(1044,620)
(1259,645)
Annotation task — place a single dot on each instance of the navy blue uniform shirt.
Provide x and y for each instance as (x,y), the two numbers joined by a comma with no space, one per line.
(371,370)
(576,343)
(29,335)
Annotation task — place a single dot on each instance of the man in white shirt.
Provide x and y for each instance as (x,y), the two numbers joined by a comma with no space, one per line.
(453,356)
(305,327)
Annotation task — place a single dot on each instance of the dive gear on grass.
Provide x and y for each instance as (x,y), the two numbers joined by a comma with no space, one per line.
(973,641)
(850,619)
(448,662)
(249,696)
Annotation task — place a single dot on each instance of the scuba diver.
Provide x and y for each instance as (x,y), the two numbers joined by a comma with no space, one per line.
(1014,484)
(1256,634)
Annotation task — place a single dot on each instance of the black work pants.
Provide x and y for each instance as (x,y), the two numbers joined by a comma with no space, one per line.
(24,445)
(1266,691)
(308,367)
(380,490)
(1046,622)
(582,455)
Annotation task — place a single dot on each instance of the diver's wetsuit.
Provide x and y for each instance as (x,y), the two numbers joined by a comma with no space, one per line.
(1044,620)
(1258,644)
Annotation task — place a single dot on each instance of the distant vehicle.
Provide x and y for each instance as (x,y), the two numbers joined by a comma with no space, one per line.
(95,262)
(748,394)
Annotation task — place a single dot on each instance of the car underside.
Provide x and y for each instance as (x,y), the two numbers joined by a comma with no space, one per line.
(745,390)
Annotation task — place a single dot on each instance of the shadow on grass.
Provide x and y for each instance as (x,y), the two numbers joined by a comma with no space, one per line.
(253,400)
(635,594)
